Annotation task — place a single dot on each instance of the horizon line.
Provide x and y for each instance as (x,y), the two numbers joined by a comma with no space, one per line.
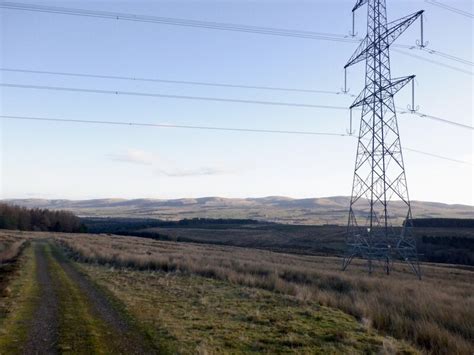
(208,197)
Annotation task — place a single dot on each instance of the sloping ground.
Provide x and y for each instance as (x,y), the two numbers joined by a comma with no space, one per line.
(58,306)
(275,209)
(207,316)
(436,313)
(440,245)
(201,298)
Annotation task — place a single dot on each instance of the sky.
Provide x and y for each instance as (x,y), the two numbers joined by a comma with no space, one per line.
(82,161)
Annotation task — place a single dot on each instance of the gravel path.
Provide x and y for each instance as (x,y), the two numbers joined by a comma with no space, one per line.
(44,329)
(43,334)
(128,339)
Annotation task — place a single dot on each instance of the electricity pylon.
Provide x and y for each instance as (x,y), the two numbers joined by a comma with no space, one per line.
(379,177)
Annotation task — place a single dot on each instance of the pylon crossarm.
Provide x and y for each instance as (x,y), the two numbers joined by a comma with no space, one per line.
(358,4)
(366,49)
(389,90)
(359,99)
(399,83)
(397,27)
(360,54)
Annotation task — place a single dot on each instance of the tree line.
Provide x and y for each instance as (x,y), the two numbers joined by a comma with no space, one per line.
(444,222)
(119,225)
(37,219)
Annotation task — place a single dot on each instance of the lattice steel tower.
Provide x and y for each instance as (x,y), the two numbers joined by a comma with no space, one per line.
(379,181)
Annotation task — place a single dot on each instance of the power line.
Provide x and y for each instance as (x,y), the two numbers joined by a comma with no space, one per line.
(448,56)
(166,96)
(401,110)
(178,22)
(437,156)
(162,125)
(450,8)
(434,62)
(211,128)
(434,52)
(184,82)
(205,24)
(439,119)
(215,99)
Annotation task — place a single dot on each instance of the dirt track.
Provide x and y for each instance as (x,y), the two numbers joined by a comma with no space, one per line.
(103,324)
(127,339)
(42,337)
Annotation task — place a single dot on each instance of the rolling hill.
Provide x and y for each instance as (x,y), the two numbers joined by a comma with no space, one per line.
(326,210)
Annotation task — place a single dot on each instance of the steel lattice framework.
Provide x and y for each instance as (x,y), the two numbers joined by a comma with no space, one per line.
(379,176)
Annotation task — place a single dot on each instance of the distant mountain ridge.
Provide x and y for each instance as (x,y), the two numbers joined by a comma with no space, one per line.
(272,208)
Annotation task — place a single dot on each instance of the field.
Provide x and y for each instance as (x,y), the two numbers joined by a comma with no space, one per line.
(451,245)
(86,308)
(185,297)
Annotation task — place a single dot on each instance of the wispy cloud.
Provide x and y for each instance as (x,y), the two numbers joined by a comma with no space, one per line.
(163,166)
(134,156)
(203,171)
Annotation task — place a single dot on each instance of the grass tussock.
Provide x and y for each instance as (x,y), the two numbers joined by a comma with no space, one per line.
(11,251)
(208,316)
(17,308)
(436,314)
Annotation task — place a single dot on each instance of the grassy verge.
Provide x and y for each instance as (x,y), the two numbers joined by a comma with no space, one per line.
(159,338)
(397,305)
(12,251)
(18,308)
(210,316)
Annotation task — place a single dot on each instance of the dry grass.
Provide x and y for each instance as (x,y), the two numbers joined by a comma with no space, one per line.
(436,314)
(11,246)
(207,316)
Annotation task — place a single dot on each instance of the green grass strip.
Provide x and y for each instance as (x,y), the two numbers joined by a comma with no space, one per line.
(21,304)
(80,331)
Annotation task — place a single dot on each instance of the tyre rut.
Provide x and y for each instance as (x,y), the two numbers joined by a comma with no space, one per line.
(43,332)
(126,338)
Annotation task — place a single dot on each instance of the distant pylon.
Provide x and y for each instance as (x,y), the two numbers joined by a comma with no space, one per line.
(379,181)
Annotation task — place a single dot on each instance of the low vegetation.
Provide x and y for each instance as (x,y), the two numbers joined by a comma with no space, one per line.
(18,305)
(439,240)
(11,251)
(434,314)
(208,316)
(11,247)
(176,313)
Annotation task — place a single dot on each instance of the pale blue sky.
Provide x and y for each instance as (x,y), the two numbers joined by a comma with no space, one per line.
(62,160)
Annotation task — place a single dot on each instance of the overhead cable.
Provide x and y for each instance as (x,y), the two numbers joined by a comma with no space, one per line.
(167,81)
(163,125)
(325,36)
(167,96)
(450,8)
(215,99)
(211,128)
